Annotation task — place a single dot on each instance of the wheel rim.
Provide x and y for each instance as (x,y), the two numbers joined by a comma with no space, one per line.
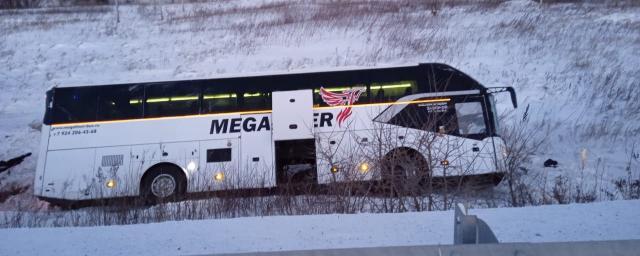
(163,185)
(405,171)
(399,173)
(405,176)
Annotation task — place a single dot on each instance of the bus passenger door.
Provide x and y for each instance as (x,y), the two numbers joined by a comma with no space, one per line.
(293,137)
(219,168)
(292,115)
(477,146)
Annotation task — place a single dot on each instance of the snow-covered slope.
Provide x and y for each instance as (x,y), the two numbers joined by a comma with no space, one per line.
(576,65)
(614,220)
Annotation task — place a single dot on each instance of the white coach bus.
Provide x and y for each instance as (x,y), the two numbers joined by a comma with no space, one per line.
(164,139)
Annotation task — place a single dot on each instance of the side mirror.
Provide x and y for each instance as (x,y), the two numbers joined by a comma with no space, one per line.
(509,89)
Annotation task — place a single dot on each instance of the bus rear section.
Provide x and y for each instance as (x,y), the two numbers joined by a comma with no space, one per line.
(155,158)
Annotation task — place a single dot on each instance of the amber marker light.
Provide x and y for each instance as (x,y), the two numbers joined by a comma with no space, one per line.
(219,176)
(364,167)
(111,183)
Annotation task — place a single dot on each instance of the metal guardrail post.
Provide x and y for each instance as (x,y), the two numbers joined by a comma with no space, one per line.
(469,229)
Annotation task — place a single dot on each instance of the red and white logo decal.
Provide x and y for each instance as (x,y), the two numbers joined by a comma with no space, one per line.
(345,98)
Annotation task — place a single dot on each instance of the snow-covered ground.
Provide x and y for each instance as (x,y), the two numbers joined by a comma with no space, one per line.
(577,66)
(613,220)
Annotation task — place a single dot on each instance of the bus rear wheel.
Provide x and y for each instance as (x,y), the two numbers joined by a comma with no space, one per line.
(163,183)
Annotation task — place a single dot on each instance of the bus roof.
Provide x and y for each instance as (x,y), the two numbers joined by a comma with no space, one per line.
(434,71)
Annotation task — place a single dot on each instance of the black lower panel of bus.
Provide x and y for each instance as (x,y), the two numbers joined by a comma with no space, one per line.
(296,162)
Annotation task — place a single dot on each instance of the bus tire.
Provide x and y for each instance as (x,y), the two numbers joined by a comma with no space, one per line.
(163,183)
(403,172)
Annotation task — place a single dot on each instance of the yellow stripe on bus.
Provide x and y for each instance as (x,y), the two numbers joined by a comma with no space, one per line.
(246,112)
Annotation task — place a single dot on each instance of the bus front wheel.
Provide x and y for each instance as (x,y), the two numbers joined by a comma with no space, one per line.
(163,183)
(403,171)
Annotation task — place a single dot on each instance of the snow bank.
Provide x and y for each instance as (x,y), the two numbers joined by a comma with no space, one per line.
(577,222)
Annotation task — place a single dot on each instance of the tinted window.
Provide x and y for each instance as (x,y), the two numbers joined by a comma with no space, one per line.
(120,102)
(390,92)
(215,100)
(470,118)
(171,100)
(218,155)
(429,116)
(74,105)
(256,101)
(339,95)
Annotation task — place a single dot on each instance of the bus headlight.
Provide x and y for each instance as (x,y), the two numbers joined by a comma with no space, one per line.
(191,166)
(219,176)
(364,167)
(111,183)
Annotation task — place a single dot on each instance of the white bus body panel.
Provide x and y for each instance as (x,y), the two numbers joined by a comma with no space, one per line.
(292,115)
(42,159)
(73,175)
(257,157)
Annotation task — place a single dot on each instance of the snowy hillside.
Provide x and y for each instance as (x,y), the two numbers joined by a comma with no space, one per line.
(576,222)
(577,66)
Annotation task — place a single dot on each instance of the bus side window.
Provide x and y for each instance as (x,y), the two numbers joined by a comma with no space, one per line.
(256,101)
(433,116)
(470,118)
(74,105)
(390,92)
(120,102)
(171,100)
(215,101)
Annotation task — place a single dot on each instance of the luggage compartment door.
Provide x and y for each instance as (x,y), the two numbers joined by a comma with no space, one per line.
(219,166)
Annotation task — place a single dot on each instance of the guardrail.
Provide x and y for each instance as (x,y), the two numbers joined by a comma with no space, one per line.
(473,237)
(594,248)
